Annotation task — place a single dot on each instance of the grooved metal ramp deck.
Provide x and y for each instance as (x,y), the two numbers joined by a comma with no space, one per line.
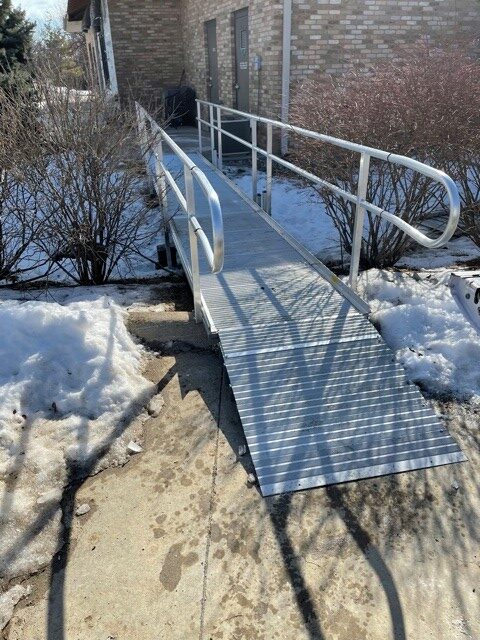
(320,395)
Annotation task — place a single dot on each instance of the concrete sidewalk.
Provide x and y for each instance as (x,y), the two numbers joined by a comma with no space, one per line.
(177,546)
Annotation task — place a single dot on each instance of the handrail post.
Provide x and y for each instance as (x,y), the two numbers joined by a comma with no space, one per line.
(199,124)
(212,134)
(161,189)
(190,197)
(219,139)
(143,133)
(360,210)
(268,203)
(253,127)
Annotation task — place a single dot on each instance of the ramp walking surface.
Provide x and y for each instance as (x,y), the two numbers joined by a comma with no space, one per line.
(320,395)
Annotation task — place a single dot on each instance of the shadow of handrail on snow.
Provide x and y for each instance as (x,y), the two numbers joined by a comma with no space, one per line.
(77,471)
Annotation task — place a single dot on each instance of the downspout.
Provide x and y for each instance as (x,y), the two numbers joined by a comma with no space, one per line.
(107,35)
(287,46)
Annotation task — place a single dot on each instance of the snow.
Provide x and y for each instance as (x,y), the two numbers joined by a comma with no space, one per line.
(420,321)
(138,262)
(83,509)
(128,296)
(298,209)
(156,405)
(70,385)
(457,251)
(8,602)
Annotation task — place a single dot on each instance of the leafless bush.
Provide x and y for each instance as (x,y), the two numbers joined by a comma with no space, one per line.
(20,227)
(77,161)
(466,171)
(424,104)
(20,230)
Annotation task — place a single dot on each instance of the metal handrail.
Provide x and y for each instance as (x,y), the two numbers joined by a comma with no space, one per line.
(359,199)
(192,174)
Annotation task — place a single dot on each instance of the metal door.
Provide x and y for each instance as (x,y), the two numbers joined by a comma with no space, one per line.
(212,71)
(241,59)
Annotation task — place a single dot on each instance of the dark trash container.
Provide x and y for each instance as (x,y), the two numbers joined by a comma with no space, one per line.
(239,127)
(180,106)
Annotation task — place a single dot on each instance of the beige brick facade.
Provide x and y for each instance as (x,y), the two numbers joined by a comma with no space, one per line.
(155,39)
(147,46)
(331,36)
(265,29)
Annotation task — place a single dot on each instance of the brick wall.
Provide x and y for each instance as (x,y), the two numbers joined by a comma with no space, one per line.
(330,36)
(147,46)
(265,39)
(154,40)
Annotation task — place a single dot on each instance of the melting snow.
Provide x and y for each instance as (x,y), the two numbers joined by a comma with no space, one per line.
(70,383)
(420,320)
(9,600)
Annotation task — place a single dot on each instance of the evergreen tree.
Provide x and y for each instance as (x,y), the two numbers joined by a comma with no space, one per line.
(62,53)
(15,41)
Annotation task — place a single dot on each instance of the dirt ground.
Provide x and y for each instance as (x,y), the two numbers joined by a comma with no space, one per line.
(177,546)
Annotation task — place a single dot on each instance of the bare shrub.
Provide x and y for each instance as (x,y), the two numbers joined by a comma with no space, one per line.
(465,169)
(20,227)
(424,104)
(87,183)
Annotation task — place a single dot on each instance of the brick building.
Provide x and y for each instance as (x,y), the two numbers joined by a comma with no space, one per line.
(249,53)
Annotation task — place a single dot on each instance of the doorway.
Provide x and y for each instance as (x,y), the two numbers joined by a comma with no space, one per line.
(212,61)
(241,59)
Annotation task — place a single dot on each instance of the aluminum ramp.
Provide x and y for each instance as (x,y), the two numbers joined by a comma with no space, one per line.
(320,395)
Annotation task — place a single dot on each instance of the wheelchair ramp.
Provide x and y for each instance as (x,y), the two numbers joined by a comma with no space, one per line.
(320,395)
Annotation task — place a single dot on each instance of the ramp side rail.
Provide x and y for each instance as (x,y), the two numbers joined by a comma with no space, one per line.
(152,138)
(214,124)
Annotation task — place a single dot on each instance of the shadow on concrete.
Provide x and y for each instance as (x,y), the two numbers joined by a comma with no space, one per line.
(396,507)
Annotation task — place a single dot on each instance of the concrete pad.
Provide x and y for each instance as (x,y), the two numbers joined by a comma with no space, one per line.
(178,546)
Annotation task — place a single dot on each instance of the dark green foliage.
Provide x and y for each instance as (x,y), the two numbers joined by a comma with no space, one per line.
(61,55)
(15,41)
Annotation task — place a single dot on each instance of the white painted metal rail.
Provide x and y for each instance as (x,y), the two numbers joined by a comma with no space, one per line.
(214,125)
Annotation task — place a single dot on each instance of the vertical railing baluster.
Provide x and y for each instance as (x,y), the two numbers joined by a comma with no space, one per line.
(199,118)
(143,133)
(161,189)
(212,135)
(359,220)
(253,127)
(268,197)
(219,139)
(190,197)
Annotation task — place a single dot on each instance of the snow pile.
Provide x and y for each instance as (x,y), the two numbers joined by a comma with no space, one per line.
(419,319)
(128,296)
(70,384)
(8,602)
(298,209)
(457,251)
